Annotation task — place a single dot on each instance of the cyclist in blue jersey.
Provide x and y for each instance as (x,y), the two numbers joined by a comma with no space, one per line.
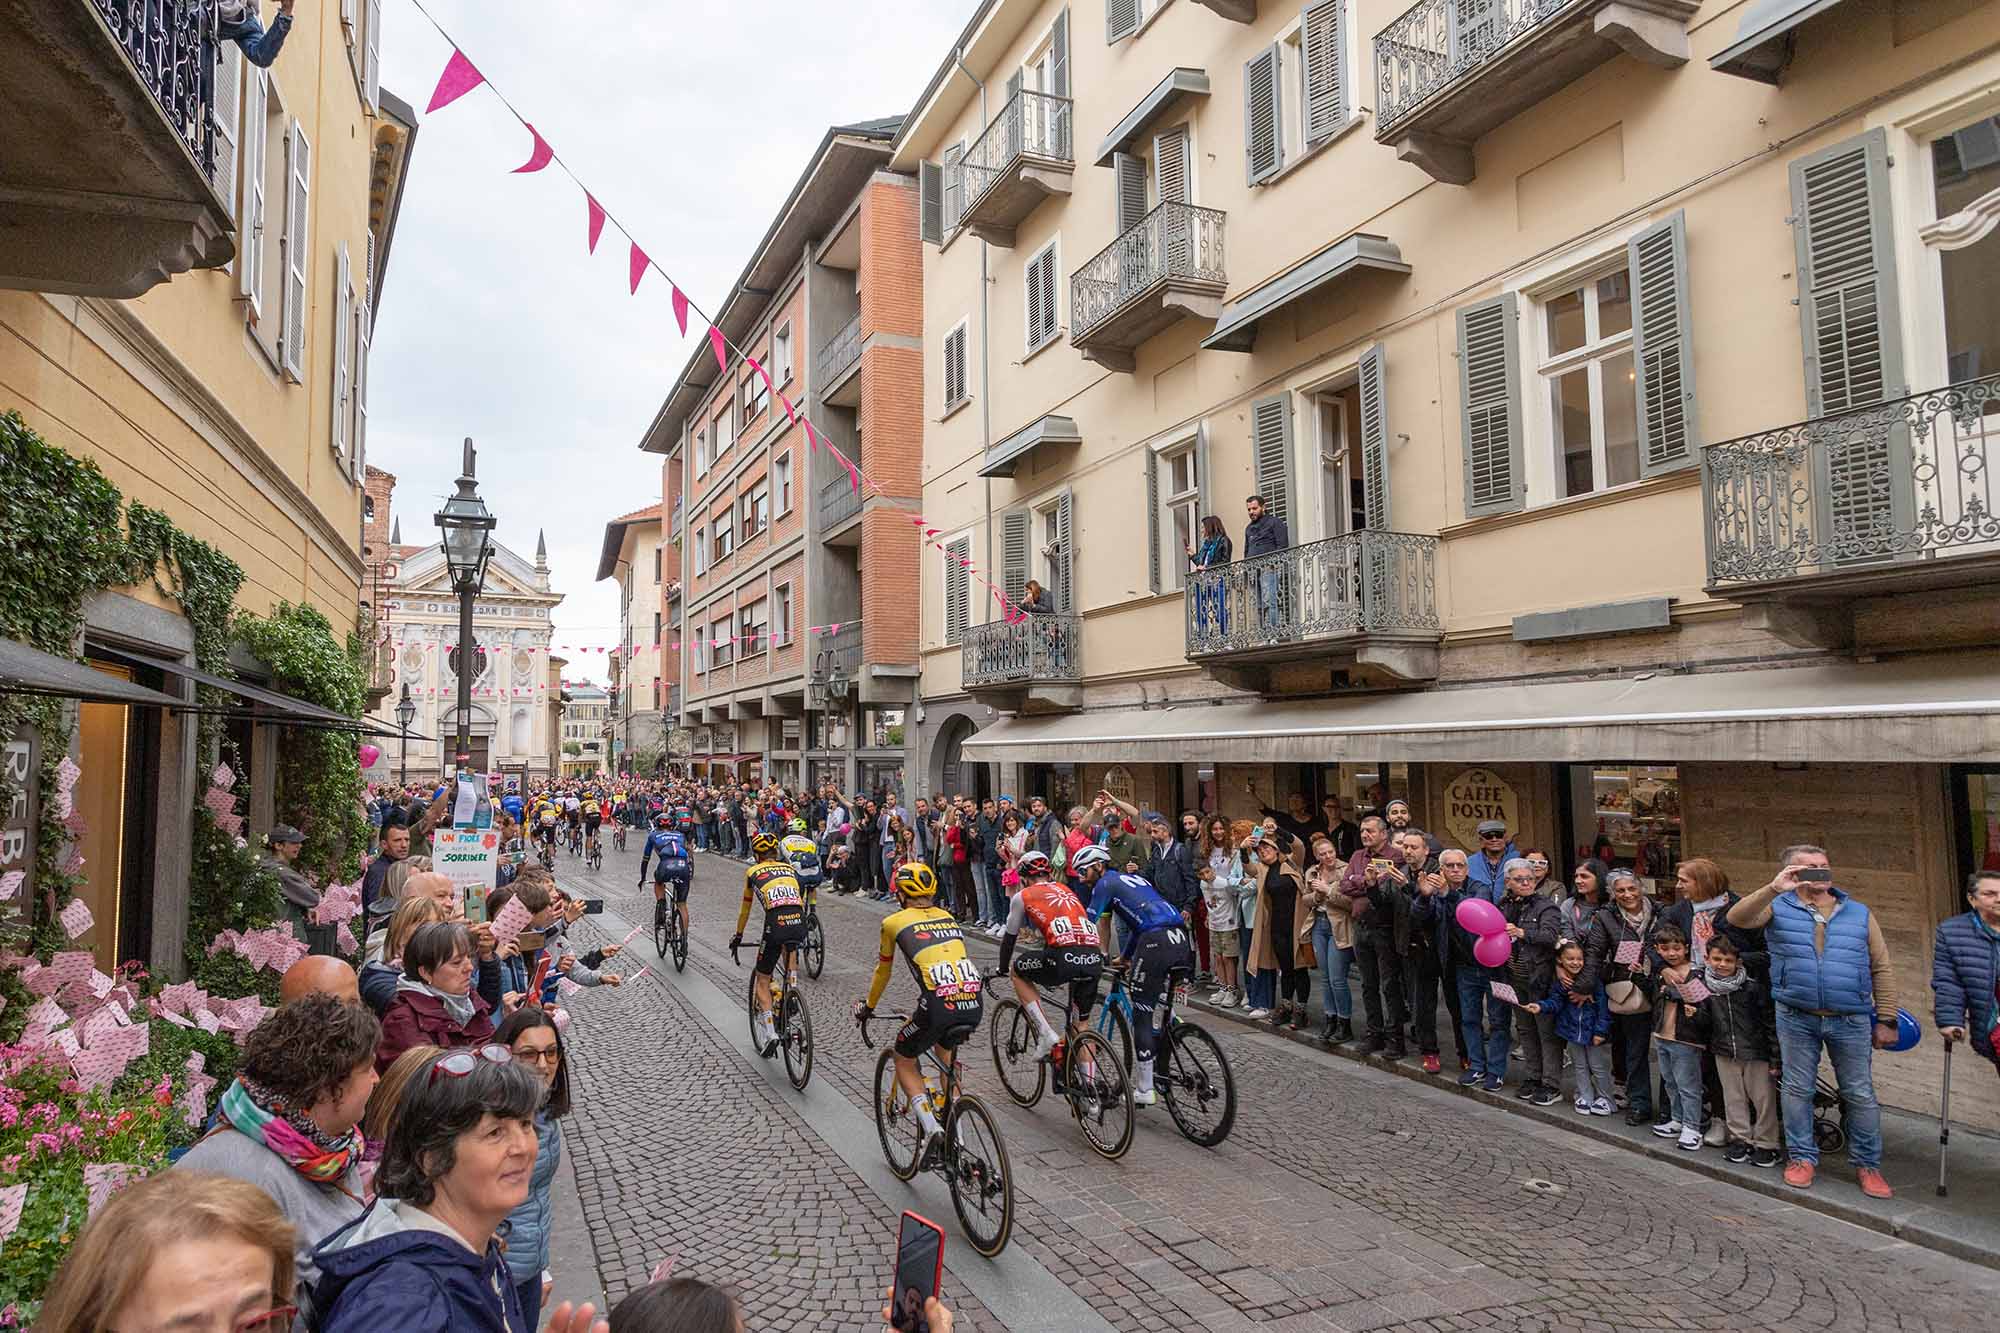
(673,864)
(1156,946)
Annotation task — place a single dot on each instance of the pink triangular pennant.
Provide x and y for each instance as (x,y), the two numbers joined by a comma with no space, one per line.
(853,475)
(812,436)
(538,157)
(681,311)
(751,361)
(791,413)
(596,220)
(458,79)
(720,347)
(639,266)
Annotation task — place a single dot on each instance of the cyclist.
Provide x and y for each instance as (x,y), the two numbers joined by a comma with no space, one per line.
(773,883)
(593,820)
(572,810)
(1070,951)
(673,865)
(1156,945)
(803,854)
(545,830)
(949,1001)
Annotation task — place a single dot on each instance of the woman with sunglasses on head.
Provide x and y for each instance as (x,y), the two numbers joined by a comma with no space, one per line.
(435,1001)
(532,1036)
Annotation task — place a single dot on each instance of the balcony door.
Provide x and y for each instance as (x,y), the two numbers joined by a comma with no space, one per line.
(1342,497)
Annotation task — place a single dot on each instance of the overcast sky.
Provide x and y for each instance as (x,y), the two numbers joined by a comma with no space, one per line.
(690,123)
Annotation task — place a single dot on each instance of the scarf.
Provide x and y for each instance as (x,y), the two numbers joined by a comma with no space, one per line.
(1729,985)
(1704,924)
(1641,922)
(459,1007)
(318,1156)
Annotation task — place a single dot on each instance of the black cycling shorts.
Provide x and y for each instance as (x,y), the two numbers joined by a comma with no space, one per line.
(680,887)
(1053,967)
(784,928)
(593,821)
(1156,956)
(938,1022)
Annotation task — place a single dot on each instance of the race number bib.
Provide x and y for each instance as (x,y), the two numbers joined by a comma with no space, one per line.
(953,978)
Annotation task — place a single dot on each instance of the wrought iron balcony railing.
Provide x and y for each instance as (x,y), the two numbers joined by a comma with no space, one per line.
(1032,650)
(1436,43)
(1173,242)
(1031,124)
(172,45)
(840,352)
(1370,582)
(1910,479)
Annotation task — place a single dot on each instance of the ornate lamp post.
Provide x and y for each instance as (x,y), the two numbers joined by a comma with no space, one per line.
(468,546)
(406,713)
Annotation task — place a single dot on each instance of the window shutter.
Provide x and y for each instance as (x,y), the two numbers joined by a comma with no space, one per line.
(1663,347)
(954,186)
(1263,133)
(1323,35)
(1271,452)
(371,76)
(1170,165)
(1847,275)
(1059,56)
(1374,440)
(1129,177)
(957,589)
(1121,19)
(954,366)
(1013,85)
(228,127)
(298,260)
(1042,278)
(1204,487)
(1031,297)
(368,278)
(343,318)
(347,18)
(1014,542)
(1065,562)
(1153,519)
(364,337)
(930,192)
(250,227)
(1489,365)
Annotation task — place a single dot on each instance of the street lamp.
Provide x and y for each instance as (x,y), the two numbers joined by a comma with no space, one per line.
(406,713)
(467,545)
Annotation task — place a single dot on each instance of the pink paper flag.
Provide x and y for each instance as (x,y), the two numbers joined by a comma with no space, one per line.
(719,347)
(1693,991)
(511,921)
(11,1199)
(1628,953)
(10,884)
(628,936)
(639,265)
(751,362)
(566,988)
(561,1019)
(596,221)
(540,156)
(812,436)
(680,310)
(101,1180)
(223,776)
(458,79)
(43,1019)
(853,475)
(1502,991)
(791,413)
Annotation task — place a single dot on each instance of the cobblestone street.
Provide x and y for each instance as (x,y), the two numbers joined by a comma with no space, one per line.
(1343,1199)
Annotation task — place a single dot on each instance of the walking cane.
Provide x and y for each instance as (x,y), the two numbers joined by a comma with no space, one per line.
(1944,1118)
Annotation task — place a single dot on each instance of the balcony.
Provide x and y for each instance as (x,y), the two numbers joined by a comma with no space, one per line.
(1803,521)
(111,142)
(1367,600)
(838,502)
(837,367)
(1166,268)
(1020,159)
(1449,71)
(1034,665)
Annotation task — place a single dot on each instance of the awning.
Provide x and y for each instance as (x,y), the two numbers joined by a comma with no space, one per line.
(29,670)
(265,705)
(1180,83)
(1763,38)
(722,758)
(1236,330)
(1944,710)
(1001,458)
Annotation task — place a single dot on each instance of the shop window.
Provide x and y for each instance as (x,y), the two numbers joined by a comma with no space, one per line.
(1976,821)
(1628,816)
(882,728)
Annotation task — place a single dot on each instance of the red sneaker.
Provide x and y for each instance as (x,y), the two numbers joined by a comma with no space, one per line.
(1431,1065)
(1872,1183)
(1799,1174)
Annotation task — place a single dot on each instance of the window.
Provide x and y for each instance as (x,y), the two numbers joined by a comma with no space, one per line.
(882,728)
(789,730)
(780,364)
(957,588)
(954,185)
(781,482)
(1587,367)
(725,431)
(1296,90)
(725,536)
(1965,167)
(656,564)
(658,694)
(955,390)
(1038,279)
(781,624)
(700,550)
(701,451)
(755,396)
(361,25)
(342,398)
(754,510)
(1176,518)
(659,620)
(1122,18)
(753,626)
(720,641)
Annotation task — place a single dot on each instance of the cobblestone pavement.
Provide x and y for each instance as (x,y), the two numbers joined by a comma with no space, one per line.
(1343,1199)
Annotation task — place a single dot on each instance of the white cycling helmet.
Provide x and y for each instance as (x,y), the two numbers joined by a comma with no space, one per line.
(1087,857)
(1033,863)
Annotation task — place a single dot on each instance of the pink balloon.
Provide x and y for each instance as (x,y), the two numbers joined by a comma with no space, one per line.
(1493,950)
(369,754)
(1481,918)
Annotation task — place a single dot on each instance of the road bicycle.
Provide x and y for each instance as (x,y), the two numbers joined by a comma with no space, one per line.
(547,852)
(575,837)
(972,1157)
(668,936)
(618,836)
(596,858)
(1089,1075)
(815,945)
(789,1015)
(1190,1072)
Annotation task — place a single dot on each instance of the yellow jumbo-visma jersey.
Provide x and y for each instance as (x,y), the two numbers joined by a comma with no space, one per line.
(773,884)
(930,939)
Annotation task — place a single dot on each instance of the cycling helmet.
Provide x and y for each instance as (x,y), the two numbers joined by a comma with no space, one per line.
(661,821)
(1087,857)
(763,844)
(1033,863)
(916,880)
(798,826)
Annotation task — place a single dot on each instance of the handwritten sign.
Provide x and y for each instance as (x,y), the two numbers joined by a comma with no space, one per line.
(21,761)
(471,857)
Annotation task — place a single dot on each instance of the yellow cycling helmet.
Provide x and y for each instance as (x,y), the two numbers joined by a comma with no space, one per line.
(763,844)
(916,881)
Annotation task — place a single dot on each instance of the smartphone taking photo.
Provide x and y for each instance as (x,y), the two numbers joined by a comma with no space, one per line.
(919,1272)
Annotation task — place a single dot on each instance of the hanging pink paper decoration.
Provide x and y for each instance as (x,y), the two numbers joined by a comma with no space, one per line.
(458,79)
(539,157)
(639,264)
(596,220)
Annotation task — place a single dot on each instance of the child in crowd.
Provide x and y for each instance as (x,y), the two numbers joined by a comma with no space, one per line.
(1677,988)
(1584,1021)
(1221,876)
(1739,1026)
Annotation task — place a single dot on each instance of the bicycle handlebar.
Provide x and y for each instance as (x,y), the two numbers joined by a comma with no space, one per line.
(862,1021)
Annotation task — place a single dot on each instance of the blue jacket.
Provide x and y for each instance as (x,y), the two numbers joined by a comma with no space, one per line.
(382,1272)
(665,843)
(260,48)
(527,1228)
(1838,981)
(1578,1022)
(1489,880)
(1965,966)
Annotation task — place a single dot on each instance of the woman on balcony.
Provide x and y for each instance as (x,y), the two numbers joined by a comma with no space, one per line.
(1216,551)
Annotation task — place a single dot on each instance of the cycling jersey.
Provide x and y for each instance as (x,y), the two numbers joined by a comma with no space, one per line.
(1135,902)
(797,844)
(1056,914)
(931,942)
(673,854)
(774,885)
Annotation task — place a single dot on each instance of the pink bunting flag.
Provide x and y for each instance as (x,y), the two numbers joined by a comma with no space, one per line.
(720,347)
(540,156)
(596,220)
(791,413)
(101,1180)
(458,79)
(853,475)
(10,884)
(812,436)
(751,362)
(680,310)
(12,1197)
(639,264)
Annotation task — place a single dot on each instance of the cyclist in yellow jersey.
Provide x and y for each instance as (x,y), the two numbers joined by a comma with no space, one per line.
(949,999)
(773,883)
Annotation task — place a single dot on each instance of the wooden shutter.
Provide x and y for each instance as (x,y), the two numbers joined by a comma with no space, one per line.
(371,68)
(954,186)
(1065,562)
(1121,19)
(957,589)
(930,193)
(1013,85)
(1324,39)
(298,259)
(1031,302)
(1015,540)
(228,128)
(1271,452)
(1045,285)
(1662,347)
(364,337)
(1847,275)
(1170,165)
(1203,485)
(1129,177)
(1059,56)
(954,366)
(1489,365)
(343,318)
(1153,520)
(1263,109)
(250,224)
(1374,439)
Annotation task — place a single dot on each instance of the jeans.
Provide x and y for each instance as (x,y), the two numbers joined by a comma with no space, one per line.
(984,889)
(1483,1022)
(1592,1064)
(1257,986)
(1680,1085)
(1270,600)
(1541,1053)
(1634,1035)
(1381,981)
(1336,995)
(1850,1040)
(1430,978)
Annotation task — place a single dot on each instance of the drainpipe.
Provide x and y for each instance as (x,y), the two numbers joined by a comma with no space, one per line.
(985,343)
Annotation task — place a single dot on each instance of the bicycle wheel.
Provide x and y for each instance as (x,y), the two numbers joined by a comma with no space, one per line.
(1116,1028)
(1013,1036)
(896,1122)
(815,949)
(663,931)
(982,1185)
(1198,1087)
(679,943)
(1099,1095)
(796,1039)
(750,1007)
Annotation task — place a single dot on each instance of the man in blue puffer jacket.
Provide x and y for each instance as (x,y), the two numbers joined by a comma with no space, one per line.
(1832,986)
(1965,966)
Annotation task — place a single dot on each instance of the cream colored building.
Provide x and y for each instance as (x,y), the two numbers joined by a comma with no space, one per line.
(586,725)
(1617,371)
(636,557)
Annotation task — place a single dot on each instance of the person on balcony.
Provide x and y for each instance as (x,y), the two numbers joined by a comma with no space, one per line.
(238,21)
(1267,534)
(1215,551)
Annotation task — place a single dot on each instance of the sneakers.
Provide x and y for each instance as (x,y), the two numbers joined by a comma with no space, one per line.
(1146,1098)
(1256,1014)
(1872,1184)
(1432,1065)
(1547,1095)
(1737,1152)
(1691,1139)
(1799,1173)
(1527,1090)
(1494,1083)
(1471,1078)
(1397,1049)
(932,1150)
(1583,1106)
(1764,1157)
(1602,1106)
(1668,1129)
(1718,1133)
(767,1039)
(1636,1116)
(1374,1044)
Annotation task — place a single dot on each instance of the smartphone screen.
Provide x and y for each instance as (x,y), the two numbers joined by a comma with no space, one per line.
(919,1270)
(592,906)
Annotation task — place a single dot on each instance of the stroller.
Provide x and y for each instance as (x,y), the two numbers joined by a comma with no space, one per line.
(1829,1117)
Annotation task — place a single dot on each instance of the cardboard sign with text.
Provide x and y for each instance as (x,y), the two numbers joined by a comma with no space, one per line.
(471,857)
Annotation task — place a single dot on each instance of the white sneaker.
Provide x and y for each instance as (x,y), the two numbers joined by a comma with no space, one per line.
(1602,1106)
(1670,1129)
(1583,1106)
(1219,997)
(1718,1133)
(1146,1098)
(1691,1139)
(1256,1014)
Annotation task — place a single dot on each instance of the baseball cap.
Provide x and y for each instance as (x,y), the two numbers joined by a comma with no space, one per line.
(1155,817)
(284,833)
(1487,826)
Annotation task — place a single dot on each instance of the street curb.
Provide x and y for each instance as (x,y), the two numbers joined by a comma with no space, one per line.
(1905,1228)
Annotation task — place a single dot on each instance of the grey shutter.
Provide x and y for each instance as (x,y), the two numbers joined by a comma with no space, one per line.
(1271,452)
(1204,489)
(1847,275)
(371,77)
(228,125)
(954,366)
(1129,177)
(1014,544)
(1013,85)
(1059,56)
(1263,123)
(1374,440)
(954,186)
(930,192)
(1662,347)
(1035,302)
(1121,19)
(1489,361)
(298,257)
(1047,284)
(1153,520)
(364,338)
(957,589)
(1322,28)
(1170,165)
(1065,574)
(343,320)
(250,224)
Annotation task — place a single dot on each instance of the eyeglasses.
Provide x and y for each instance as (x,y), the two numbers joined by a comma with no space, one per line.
(1501,834)
(280,1317)
(547,1056)
(461,1062)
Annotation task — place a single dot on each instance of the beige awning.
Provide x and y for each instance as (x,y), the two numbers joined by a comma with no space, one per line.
(1944,710)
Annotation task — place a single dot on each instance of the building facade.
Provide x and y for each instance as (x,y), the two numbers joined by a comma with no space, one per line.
(795,594)
(586,730)
(1621,388)
(635,555)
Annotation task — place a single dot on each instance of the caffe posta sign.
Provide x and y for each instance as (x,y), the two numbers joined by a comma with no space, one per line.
(1475,795)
